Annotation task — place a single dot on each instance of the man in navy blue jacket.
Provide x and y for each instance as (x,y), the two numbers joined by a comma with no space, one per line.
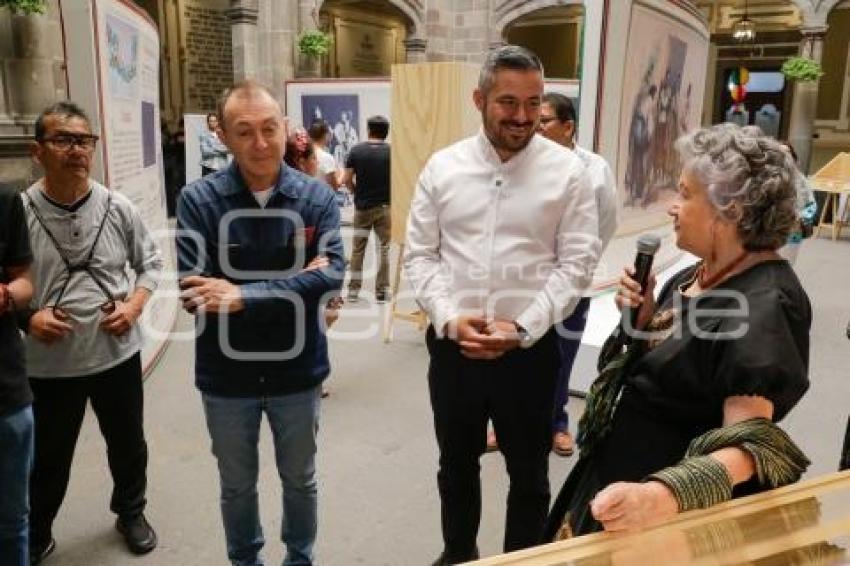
(259,253)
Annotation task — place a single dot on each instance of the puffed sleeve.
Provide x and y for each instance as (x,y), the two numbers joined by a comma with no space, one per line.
(767,352)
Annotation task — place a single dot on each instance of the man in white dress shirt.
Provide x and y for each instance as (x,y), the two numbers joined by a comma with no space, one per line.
(502,240)
(558,123)
(328,170)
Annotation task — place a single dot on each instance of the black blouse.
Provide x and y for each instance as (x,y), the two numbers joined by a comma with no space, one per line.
(747,336)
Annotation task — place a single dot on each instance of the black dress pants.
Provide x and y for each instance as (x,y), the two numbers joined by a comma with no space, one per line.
(58,408)
(516,392)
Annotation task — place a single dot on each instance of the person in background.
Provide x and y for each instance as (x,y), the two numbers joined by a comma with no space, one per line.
(367,175)
(168,165)
(558,123)
(214,154)
(320,134)
(83,337)
(16,420)
(807,209)
(302,154)
(685,416)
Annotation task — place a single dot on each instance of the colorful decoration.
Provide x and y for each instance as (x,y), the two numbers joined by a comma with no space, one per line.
(738,80)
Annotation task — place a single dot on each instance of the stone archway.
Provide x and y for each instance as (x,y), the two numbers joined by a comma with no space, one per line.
(512,10)
(814,12)
(413,9)
(554,33)
(369,36)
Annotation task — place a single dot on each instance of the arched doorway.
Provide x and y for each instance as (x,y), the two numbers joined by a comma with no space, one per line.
(777,37)
(555,34)
(368,36)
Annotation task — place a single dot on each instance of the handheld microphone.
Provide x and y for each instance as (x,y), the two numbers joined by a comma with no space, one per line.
(647,245)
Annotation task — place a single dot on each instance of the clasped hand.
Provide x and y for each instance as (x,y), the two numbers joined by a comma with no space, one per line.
(483,339)
(210,294)
(214,295)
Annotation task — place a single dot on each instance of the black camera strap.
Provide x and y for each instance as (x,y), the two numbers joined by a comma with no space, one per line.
(70,267)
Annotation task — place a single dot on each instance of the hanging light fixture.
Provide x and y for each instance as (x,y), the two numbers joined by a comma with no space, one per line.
(744,30)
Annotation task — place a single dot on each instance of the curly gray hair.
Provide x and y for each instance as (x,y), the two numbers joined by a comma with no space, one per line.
(749,178)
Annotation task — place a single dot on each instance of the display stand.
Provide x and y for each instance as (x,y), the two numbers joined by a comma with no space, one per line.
(431,105)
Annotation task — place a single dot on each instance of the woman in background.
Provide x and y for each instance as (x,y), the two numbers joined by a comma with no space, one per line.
(301,155)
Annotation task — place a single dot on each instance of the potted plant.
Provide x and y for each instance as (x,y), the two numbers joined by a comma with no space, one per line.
(313,45)
(25,6)
(802,69)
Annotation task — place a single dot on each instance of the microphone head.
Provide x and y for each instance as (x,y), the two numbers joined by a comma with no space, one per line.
(648,244)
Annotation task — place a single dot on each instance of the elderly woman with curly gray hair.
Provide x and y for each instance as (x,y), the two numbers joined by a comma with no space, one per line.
(684,416)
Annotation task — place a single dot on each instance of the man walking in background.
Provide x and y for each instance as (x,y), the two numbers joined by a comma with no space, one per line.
(367,175)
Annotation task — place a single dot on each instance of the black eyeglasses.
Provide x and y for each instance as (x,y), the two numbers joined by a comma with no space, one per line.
(65,142)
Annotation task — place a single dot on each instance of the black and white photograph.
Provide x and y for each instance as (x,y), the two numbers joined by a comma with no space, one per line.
(342,113)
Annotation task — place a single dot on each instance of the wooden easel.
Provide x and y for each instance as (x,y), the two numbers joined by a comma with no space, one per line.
(418,317)
(834,179)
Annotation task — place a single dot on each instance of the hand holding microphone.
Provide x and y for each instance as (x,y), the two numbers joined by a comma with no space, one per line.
(635,296)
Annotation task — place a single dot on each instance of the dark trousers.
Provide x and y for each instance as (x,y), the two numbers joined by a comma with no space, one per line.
(516,392)
(569,341)
(59,406)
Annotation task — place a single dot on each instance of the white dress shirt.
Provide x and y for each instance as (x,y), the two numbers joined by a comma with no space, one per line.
(516,240)
(605,190)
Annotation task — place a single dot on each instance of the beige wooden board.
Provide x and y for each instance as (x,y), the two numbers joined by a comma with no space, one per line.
(804,523)
(834,176)
(431,106)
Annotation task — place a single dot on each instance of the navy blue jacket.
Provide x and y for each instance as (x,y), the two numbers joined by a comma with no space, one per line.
(275,345)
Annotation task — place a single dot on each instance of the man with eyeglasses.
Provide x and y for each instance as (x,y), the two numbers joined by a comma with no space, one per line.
(558,123)
(501,243)
(83,339)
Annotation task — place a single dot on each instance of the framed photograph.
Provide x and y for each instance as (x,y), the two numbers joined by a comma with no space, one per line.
(342,114)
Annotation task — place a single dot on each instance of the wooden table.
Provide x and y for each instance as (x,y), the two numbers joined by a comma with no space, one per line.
(804,523)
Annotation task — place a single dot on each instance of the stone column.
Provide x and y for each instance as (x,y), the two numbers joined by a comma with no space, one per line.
(242,16)
(415,48)
(804,105)
(278,25)
(31,66)
(308,66)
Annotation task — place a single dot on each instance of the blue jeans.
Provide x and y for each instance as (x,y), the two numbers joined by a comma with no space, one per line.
(568,345)
(16,455)
(234,426)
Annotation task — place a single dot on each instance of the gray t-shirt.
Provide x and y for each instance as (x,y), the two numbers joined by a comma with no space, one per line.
(124,241)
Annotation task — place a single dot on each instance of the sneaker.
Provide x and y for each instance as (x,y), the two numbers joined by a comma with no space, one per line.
(138,534)
(382,296)
(562,444)
(40,552)
(492,442)
(352,297)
